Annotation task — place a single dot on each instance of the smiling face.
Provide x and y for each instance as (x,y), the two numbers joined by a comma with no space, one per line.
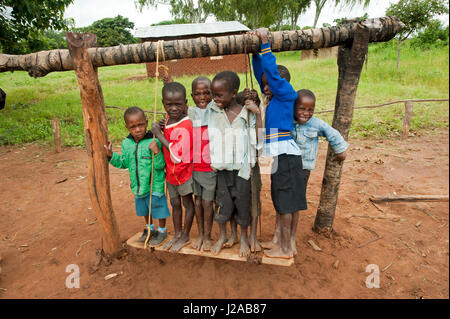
(201,94)
(222,93)
(304,109)
(175,104)
(136,124)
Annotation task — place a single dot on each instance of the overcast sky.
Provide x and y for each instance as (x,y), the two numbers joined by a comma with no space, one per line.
(87,11)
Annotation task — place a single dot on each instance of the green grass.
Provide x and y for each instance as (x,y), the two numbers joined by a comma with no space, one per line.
(32,103)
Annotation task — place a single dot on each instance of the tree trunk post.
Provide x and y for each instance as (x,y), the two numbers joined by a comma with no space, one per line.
(399,48)
(407,118)
(56,135)
(350,62)
(96,132)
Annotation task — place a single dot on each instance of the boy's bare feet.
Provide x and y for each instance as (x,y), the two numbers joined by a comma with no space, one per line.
(197,244)
(172,241)
(207,244)
(215,249)
(277,252)
(293,247)
(244,250)
(270,244)
(180,243)
(231,241)
(254,243)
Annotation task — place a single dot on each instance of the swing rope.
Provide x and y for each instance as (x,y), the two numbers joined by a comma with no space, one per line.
(159,46)
(248,67)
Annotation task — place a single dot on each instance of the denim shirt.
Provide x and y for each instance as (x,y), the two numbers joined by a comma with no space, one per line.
(307,138)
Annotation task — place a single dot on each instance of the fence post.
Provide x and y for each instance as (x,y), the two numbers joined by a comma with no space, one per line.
(407,118)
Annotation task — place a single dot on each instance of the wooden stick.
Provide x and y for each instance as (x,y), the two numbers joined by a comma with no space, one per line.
(410,198)
(407,118)
(56,135)
(370,241)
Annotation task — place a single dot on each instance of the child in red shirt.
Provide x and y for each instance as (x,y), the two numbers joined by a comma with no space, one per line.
(177,142)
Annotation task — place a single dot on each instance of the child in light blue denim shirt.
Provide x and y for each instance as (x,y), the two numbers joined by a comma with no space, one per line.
(307,130)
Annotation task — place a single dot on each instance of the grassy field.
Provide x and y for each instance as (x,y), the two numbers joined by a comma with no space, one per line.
(32,103)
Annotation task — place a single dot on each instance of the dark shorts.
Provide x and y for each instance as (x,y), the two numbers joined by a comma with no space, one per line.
(233,197)
(288,185)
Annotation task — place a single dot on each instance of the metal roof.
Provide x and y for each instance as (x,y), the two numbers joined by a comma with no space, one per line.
(179,30)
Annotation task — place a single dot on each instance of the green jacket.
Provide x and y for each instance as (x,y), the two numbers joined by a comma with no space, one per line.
(137,157)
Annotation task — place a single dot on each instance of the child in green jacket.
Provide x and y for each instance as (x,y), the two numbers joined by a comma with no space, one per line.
(136,155)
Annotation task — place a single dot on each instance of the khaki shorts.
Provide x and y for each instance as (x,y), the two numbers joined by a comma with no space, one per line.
(205,184)
(181,190)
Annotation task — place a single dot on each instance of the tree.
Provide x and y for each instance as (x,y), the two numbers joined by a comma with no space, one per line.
(349,3)
(26,20)
(416,15)
(111,31)
(434,35)
(294,9)
(181,10)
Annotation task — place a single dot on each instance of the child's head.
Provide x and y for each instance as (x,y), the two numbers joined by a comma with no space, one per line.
(174,100)
(201,91)
(136,122)
(304,106)
(284,74)
(224,88)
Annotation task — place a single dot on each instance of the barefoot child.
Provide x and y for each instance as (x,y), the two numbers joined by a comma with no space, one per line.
(308,129)
(203,175)
(228,124)
(287,184)
(137,158)
(177,142)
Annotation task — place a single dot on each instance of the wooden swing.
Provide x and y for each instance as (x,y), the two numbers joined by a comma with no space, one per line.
(225,253)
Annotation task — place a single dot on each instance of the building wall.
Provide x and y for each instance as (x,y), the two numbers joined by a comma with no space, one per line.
(200,66)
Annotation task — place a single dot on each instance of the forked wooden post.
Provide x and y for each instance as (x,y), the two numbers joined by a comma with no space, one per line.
(56,135)
(350,62)
(96,132)
(407,118)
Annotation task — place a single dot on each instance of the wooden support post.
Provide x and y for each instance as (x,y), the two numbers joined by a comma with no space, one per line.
(96,131)
(350,62)
(407,118)
(56,135)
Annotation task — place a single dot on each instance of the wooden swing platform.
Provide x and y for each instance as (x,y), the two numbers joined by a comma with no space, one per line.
(225,253)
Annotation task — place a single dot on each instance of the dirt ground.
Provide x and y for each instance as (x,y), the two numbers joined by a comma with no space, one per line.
(47,223)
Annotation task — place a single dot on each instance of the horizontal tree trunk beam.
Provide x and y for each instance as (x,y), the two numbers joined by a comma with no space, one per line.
(410,198)
(41,63)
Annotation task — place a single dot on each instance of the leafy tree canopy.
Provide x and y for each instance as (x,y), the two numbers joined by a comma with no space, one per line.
(111,31)
(23,21)
(416,14)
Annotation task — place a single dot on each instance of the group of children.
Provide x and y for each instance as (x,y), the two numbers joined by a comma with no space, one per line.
(207,154)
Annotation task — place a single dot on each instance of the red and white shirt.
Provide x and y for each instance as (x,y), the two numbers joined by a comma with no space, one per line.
(201,153)
(179,155)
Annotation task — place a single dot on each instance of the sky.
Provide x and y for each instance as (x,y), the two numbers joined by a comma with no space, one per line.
(87,11)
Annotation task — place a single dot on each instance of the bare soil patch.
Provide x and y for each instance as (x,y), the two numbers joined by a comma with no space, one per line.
(47,223)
